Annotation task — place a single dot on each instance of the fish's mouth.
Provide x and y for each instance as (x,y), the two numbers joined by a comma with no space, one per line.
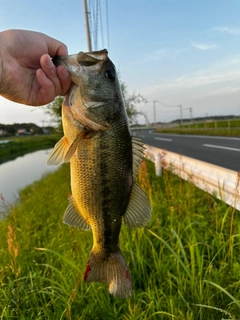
(82,60)
(74,62)
(89,59)
(70,63)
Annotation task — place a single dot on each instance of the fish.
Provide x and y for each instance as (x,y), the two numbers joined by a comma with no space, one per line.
(104,161)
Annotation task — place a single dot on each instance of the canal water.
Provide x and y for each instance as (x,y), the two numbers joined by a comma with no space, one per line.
(18,173)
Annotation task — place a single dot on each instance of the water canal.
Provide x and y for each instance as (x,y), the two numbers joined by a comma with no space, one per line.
(18,173)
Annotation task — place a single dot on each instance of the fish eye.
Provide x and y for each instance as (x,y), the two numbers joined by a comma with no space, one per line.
(110,75)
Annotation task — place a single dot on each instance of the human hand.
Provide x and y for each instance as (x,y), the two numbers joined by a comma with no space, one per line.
(27,74)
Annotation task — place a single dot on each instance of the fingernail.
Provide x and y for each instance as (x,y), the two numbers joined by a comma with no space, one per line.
(63,73)
(49,63)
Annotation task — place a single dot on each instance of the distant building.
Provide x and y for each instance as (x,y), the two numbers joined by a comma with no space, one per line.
(2,132)
(46,130)
(22,132)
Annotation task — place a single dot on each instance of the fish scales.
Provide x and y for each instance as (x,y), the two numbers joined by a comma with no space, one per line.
(104,161)
(102,172)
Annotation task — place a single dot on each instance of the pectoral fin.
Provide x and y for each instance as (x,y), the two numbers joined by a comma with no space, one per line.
(62,151)
(57,155)
(71,151)
(138,212)
(73,218)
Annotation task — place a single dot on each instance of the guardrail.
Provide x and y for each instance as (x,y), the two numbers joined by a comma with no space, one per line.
(223,183)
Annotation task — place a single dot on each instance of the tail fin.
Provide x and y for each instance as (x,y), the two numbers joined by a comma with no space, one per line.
(113,270)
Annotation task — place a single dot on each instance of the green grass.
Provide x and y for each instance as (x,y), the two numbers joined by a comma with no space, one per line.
(220,128)
(185,264)
(18,146)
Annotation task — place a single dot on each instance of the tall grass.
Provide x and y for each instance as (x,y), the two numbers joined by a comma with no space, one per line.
(185,264)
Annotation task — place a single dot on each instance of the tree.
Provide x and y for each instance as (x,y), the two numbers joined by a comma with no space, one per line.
(131,101)
(54,111)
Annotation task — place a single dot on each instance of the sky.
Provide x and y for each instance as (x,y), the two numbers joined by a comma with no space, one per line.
(175,52)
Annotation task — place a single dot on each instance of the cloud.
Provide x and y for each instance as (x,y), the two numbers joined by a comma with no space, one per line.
(155,55)
(225,90)
(234,31)
(205,78)
(214,76)
(203,46)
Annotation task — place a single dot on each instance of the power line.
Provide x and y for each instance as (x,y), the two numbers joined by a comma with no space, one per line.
(96,25)
(168,105)
(94,20)
(174,106)
(107,20)
(93,6)
(101,24)
(86,13)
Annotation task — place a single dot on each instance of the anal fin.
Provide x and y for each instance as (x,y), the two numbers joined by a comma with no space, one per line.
(73,218)
(138,212)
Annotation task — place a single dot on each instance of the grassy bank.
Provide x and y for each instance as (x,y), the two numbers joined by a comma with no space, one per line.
(205,132)
(229,128)
(185,264)
(13,147)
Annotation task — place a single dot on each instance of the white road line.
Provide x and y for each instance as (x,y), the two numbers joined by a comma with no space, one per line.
(164,139)
(221,147)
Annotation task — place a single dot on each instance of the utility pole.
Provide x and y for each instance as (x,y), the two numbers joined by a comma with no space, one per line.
(87,25)
(190,114)
(190,109)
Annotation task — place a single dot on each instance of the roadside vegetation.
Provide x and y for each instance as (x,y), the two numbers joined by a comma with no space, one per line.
(218,128)
(13,147)
(185,264)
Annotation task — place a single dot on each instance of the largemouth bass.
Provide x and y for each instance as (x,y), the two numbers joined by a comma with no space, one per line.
(104,160)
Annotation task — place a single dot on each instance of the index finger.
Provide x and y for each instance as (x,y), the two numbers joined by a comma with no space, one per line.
(62,50)
(56,48)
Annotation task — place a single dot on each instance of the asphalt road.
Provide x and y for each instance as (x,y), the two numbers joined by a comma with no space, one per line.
(221,151)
